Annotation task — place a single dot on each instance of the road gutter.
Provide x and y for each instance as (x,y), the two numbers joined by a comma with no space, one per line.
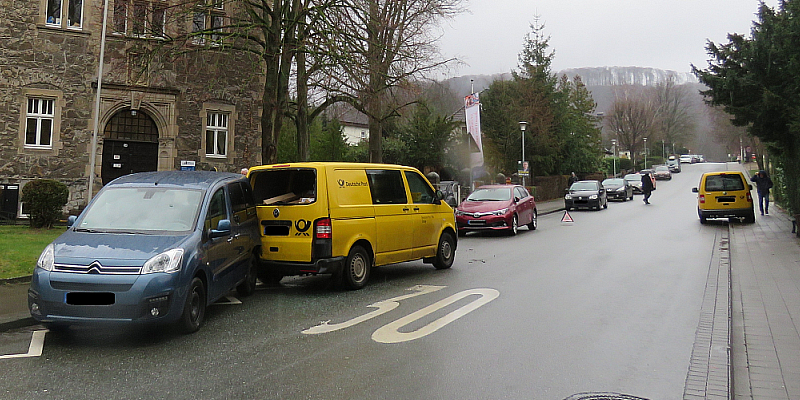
(710,368)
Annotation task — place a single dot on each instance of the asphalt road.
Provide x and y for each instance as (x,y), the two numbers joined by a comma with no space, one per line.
(608,303)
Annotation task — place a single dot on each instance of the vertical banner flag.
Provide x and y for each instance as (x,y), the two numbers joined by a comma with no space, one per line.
(472,112)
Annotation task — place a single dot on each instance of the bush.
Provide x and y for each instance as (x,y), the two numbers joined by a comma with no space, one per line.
(44,199)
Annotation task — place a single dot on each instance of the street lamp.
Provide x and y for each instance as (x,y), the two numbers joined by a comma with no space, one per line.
(645,153)
(614,155)
(522,126)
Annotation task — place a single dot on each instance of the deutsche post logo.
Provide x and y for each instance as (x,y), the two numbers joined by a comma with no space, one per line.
(302,226)
(341,182)
(276,213)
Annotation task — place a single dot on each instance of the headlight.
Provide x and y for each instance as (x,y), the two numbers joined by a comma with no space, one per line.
(593,197)
(500,212)
(459,212)
(45,261)
(568,197)
(168,261)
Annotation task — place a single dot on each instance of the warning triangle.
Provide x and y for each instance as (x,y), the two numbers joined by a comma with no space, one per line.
(566,217)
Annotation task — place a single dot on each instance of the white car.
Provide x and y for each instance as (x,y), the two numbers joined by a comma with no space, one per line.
(686,159)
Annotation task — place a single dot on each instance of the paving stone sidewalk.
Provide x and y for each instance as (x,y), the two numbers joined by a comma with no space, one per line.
(765,278)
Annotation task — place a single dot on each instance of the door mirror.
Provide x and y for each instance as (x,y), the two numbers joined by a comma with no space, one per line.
(223,229)
(71,221)
(694,190)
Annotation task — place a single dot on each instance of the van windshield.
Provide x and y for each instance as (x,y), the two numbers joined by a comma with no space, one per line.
(143,209)
(285,186)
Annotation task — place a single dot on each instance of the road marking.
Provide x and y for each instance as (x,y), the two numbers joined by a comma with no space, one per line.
(382,308)
(231,300)
(390,333)
(34,350)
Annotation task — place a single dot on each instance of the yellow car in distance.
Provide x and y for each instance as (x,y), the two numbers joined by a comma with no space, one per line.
(724,194)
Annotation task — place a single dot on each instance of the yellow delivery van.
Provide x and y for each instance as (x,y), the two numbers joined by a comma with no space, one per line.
(345,218)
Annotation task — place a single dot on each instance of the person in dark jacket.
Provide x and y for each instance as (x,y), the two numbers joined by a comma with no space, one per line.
(763,185)
(647,187)
(572,179)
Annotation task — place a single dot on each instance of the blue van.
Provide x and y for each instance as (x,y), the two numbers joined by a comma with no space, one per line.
(151,247)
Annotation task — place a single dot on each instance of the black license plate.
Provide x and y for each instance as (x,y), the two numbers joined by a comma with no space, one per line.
(90,298)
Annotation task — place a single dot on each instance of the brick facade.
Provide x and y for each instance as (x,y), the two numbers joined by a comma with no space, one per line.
(59,63)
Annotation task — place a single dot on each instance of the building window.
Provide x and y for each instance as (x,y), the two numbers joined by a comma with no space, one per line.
(216,134)
(55,14)
(39,125)
(141,19)
(211,18)
(363,135)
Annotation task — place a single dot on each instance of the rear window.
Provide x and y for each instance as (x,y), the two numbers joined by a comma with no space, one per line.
(718,183)
(285,186)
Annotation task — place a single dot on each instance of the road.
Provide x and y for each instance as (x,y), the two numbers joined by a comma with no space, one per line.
(608,303)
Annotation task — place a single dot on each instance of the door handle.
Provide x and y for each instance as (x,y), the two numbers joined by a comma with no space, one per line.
(405,209)
(416,208)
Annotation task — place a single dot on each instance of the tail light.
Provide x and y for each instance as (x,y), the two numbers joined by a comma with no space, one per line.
(749,197)
(322,228)
(703,199)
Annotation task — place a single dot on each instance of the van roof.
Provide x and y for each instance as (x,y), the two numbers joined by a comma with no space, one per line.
(192,179)
(320,164)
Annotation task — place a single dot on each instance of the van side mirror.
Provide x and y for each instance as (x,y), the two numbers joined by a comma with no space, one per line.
(71,221)
(751,187)
(223,229)
(694,190)
(439,197)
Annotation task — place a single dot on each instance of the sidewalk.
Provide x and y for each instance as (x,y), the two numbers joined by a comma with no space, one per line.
(765,307)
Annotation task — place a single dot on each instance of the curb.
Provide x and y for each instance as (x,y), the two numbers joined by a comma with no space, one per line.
(16,322)
(21,279)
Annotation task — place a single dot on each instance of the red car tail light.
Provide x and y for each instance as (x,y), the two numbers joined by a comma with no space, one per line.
(749,197)
(703,199)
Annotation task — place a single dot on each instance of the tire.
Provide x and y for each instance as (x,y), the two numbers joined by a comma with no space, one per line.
(445,252)
(248,286)
(750,218)
(534,221)
(356,268)
(605,205)
(194,309)
(631,197)
(703,219)
(268,277)
(514,226)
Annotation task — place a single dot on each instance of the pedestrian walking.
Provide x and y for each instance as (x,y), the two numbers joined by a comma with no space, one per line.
(572,179)
(647,187)
(763,185)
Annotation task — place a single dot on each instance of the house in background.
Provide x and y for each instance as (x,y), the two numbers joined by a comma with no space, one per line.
(355,124)
(155,114)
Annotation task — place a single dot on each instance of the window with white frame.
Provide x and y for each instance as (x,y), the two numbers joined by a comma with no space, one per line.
(140,18)
(216,134)
(39,125)
(64,13)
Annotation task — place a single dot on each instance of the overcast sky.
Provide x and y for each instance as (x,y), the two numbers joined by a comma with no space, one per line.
(665,34)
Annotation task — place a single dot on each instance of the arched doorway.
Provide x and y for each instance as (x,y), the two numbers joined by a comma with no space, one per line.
(130,144)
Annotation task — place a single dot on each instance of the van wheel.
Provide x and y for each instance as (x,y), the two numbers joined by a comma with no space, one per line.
(445,252)
(750,218)
(194,310)
(247,287)
(356,268)
(268,277)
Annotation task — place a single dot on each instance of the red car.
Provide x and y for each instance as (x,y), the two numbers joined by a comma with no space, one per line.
(497,207)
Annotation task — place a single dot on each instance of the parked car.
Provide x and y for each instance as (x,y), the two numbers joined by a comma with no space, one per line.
(497,207)
(635,180)
(150,247)
(724,194)
(687,159)
(618,189)
(586,194)
(343,219)
(674,165)
(662,173)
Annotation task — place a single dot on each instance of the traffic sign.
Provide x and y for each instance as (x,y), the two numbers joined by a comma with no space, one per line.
(566,217)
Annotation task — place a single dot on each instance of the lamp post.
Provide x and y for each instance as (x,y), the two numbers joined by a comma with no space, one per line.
(645,153)
(614,155)
(522,126)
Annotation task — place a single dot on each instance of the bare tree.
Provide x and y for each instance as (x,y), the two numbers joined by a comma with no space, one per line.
(382,44)
(674,119)
(631,118)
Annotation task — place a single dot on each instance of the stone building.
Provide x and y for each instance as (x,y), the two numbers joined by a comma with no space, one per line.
(158,110)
